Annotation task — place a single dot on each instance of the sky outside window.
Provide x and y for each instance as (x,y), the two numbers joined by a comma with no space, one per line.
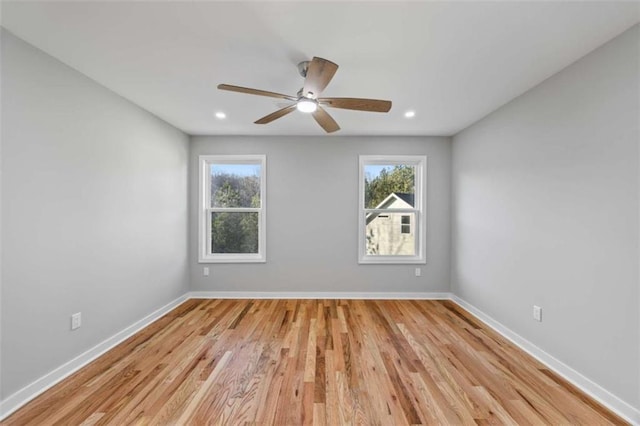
(241,170)
(373,171)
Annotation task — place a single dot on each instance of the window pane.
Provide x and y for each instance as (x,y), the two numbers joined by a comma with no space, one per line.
(235,185)
(389,186)
(234,232)
(386,235)
(405,227)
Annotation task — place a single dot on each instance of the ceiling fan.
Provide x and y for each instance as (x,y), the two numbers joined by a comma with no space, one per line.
(317,74)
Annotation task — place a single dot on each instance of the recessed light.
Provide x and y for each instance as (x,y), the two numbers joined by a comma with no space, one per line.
(410,114)
(221,115)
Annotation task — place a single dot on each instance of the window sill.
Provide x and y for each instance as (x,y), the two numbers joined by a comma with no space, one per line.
(232,259)
(391,260)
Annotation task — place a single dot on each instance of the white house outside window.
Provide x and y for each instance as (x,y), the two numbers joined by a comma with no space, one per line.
(232,208)
(391,201)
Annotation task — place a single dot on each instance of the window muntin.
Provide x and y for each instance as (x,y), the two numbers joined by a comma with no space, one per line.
(391,209)
(232,208)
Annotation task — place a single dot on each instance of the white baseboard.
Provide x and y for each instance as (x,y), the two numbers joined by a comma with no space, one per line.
(597,392)
(316,295)
(29,392)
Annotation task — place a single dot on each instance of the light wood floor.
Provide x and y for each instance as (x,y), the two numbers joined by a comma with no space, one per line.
(291,362)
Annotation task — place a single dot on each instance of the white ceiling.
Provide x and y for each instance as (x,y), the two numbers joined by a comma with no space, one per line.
(451,62)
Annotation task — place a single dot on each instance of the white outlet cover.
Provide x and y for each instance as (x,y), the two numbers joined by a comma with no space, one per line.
(205,271)
(537,313)
(76,320)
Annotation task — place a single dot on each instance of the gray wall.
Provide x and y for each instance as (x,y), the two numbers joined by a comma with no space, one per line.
(94,200)
(545,211)
(312,216)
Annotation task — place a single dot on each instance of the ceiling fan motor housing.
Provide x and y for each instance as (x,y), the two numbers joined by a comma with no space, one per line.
(304,96)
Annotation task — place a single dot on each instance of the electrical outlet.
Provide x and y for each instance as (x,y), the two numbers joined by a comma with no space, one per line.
(537,313)
(76,320)
(418,272)
(205,271)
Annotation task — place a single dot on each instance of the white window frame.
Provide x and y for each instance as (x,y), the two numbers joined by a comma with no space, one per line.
(419,223)
(205,210)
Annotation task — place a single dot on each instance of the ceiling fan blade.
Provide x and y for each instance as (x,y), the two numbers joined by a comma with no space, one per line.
(275,115)
(254,92)
(319,74)
(373,105)
(325,120)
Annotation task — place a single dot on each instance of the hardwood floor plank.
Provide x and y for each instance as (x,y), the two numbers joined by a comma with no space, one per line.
(307,403)
(314,362)
(191,409)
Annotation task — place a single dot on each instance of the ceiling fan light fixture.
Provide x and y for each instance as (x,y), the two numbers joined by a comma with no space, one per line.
(306,105)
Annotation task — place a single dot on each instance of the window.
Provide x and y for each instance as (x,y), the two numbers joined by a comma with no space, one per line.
(391,199)
(232,208)
(405,227)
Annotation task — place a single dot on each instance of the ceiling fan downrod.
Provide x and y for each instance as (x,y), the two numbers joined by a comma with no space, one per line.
(303,67)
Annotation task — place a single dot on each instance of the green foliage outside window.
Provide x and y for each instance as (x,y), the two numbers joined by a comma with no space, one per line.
(235,232)
(400,178)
